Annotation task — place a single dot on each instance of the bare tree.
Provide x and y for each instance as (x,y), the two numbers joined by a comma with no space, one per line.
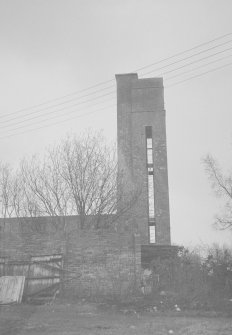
(222,185)
(89,170)
(6,181)
(77,177)
(44,191)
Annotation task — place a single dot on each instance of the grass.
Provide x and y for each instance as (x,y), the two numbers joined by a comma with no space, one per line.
(84,318)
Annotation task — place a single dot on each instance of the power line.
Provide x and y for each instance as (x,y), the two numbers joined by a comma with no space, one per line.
(58,110)
(113,105)
(73,105)
(112,80)
(196,61)
(109,93)
(185,51)
(54,117)
(198,67)
(58,122)
(62,97)
(199,75)
(178,61)
(108,87)
(90,100)
(61,103)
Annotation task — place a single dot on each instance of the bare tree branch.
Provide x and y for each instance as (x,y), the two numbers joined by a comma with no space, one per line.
(77,177)
(222,185)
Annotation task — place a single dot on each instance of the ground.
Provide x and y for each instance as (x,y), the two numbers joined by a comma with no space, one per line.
(63,318)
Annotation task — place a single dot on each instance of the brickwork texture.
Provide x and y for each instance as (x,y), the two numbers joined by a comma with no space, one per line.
(96,262)
(140,103)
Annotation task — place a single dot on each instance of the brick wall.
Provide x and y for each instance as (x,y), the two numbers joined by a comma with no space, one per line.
(101,262)
(140,103)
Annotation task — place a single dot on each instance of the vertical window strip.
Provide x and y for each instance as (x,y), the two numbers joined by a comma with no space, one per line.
(150,179)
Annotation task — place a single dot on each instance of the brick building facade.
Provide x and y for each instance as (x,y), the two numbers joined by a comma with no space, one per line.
(142,154)
(98,262)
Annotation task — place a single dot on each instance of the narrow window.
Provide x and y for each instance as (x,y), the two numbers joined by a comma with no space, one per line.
(152,234)
(149,156)
(150,182)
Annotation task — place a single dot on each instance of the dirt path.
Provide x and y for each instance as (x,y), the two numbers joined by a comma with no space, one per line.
(89,319)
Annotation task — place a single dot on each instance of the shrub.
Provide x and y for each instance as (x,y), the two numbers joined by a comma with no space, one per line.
(193,280)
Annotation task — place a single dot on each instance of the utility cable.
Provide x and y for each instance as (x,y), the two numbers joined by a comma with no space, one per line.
(109,93)
(188,57)
(113,105)
(112,80)
(198,75)
(194,62)
(198,67)
(47,119)
(59,104)
(95,98)
(144,74)
(185,51)
(50,118)
(58,110)
(58,122)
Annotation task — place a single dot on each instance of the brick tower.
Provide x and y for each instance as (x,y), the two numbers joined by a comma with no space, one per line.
(142,155)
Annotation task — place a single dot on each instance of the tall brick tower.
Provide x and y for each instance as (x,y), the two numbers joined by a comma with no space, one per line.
(142,154)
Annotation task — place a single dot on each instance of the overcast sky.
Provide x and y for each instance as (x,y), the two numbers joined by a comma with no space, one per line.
(52,48)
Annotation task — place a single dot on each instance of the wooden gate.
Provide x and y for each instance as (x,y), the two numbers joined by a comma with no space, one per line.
(43,274)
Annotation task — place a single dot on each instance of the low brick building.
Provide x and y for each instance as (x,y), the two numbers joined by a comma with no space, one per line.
(97,262)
